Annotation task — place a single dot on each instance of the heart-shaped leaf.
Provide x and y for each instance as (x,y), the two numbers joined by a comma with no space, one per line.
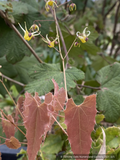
(36,121)
(80,121)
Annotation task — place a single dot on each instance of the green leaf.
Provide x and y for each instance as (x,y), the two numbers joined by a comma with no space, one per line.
(108,99)
(92,83)
(113,154)
(22,68)
(43,74)
(19,10)
(23,153)
(98,61)
(18,72)
(19,135)
(14,91)
(112,137)
(96,146)
(33,3)
(95,134)
(90,47)
(109,102)
(53,144)
(99,118)
(78,99)
(7,68)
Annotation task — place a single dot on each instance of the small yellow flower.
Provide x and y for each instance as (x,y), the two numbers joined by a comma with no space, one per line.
(50,43)
(50,3)
(72,6)
(29,35)
(83,36)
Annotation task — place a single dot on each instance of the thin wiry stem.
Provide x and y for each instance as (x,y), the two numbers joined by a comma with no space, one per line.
(54,13)
(58,35)
(14,81)
(42,20)
(3,137)
(70,48)
(7,138)
(61,36)
(59,103)
(60,125)
(96,88)
(111,8)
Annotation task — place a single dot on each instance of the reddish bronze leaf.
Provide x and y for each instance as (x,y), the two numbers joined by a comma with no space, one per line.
(20,106)
(56,87)
(13,143)
(37,98)
(80,121)
(48,98)
(36,121)
(27,103)
(59,97)
(20,103)
(55,103)
(8,127)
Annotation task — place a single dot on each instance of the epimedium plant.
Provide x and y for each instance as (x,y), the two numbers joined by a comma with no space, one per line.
(38,117)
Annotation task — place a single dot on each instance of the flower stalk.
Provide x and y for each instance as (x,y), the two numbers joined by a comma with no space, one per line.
(63,63)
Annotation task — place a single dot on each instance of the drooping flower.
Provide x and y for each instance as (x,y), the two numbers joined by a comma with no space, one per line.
(50,3)
(34,27)
(29,35)
(76,44)
(83,36)
(72,6)
(51,44)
